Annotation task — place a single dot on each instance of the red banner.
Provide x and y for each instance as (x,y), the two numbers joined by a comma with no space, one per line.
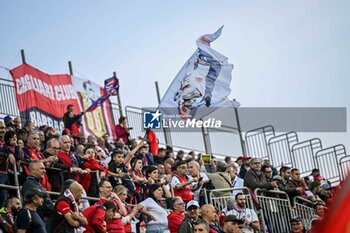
(43,99)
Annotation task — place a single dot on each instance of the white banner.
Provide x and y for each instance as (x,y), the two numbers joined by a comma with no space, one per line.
(203,82)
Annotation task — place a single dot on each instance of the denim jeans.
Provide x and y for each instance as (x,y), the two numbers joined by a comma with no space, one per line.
(157,228)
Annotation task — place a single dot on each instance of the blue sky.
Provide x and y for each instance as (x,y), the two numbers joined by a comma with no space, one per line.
(285,53)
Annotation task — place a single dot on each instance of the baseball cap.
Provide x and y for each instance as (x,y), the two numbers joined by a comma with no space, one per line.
(233,218)
(245,158)
(7,119)
(30,193)
(192,203)
(318,178)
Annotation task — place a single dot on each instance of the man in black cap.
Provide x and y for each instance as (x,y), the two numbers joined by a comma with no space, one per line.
(28,220)
(232,224)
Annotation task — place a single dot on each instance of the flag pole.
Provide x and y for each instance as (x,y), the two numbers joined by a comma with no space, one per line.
(118,97)
(167,135)
(70,67)
(23,56)
(206,140)
(235,106)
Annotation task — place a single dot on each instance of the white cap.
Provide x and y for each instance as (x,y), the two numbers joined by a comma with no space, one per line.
(192,203)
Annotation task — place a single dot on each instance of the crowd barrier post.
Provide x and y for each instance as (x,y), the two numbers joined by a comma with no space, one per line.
(303,208)
(276,210)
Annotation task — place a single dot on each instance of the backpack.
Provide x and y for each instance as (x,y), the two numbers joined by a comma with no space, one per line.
(29,217)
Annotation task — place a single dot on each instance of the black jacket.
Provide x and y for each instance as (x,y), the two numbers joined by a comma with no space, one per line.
(255,180)
(44,210)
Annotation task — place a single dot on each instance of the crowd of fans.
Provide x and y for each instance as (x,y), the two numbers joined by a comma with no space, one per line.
(135,184)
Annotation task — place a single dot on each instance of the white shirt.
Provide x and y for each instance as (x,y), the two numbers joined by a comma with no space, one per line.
(158,212)
(175,181)
(197,192)
(245,213)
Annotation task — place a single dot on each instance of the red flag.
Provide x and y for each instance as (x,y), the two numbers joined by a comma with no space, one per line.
(337,218)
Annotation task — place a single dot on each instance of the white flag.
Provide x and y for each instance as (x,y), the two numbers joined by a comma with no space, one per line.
(203,82)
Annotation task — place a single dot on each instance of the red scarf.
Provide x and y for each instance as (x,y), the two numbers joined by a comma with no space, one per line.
(65,158)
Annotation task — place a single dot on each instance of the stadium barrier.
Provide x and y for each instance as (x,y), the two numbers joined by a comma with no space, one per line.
(257,141)
(280,149)
(303,155)
(303,208)
(327,160)
(276,210)
(219,197)
(333,162)
(8,103)
(344,164)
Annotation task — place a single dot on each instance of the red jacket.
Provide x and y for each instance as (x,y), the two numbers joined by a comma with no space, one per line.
(174,221)
(96,216)
(122,133)
(185,193)
(93,165)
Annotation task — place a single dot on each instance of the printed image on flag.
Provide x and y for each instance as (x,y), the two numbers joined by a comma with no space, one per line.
(203,82)
(89,92)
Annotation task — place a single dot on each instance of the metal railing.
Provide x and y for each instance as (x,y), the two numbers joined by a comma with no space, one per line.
(225,141)
(219,197)
(344,164)
(303,208)
(303,155)
(8,102)
(280,149)
(276,210)
(257,141)
(285,149)
(327,161)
